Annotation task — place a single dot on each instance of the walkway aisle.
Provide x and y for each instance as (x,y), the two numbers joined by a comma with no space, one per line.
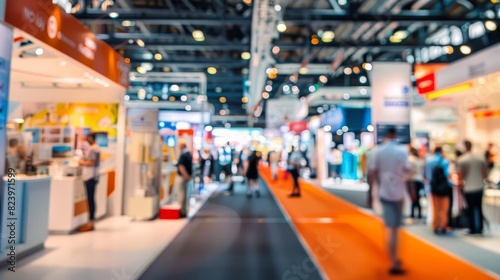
(233,237)
(355,241)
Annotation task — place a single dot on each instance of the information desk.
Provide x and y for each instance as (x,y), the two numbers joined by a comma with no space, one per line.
(69,206)
(26,225)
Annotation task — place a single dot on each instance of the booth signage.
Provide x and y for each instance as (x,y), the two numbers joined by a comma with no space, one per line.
(50,24)
(298,126)
(391,98)
(142,120)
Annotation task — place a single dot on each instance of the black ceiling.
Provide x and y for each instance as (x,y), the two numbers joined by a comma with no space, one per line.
(362,34)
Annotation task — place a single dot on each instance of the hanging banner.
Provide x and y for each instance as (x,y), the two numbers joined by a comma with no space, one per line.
(391,96)
(5,55)
(279,112)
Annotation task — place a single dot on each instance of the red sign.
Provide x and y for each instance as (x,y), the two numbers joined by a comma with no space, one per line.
(426,84)
(51,25)
(298,126)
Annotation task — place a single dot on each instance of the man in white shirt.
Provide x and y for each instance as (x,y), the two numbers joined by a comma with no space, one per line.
(90,176)
(473,171)
(390,171)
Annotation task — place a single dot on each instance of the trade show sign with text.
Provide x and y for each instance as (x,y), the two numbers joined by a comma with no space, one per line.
(5,55)
(391,95)
(50,24)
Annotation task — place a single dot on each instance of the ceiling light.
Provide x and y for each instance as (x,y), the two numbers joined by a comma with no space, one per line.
(465,49)
(323,79)
(295,90)
(345,128)
(184,98)
(327,128)
(188,107)
(208,128)
(272,75)
(218,89)
(248,2)
(314,40)
(130,41)
(363,91)
(141,94)
(222,99)
(320,110)
(401,34)
(198,35)
(276,49)
(312,88)
(363,79)
(244,71)
(132,77)
(244,99)
(367,66)
(327,36)
(277,8)
(140,43)
(395,39)
(127,23)
(286,88)
(346,96)
(246,55)
(141,70)
(127,60)
(211,70)
(269,88)
(126,98)
(166,69)
(348,71)
(222,112)
(339,132)
(342,2)
(265,95)
(281,27)
(114,15)
(148,66)
(370,128)
(156,99)
(171,98)
(39,51)
(490,25)
(448,49)
(303,70)
(174,88)
(164,96)
(158,56)
(227,125)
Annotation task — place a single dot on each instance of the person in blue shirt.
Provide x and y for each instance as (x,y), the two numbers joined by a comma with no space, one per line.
(440,203)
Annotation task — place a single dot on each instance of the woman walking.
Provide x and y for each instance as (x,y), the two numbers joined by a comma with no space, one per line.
(416,183)
(252,174)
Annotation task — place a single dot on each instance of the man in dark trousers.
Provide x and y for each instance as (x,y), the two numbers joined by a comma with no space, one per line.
(90,176)
(184,176)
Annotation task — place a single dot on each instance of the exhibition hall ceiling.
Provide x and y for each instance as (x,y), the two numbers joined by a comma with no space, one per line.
(286,48)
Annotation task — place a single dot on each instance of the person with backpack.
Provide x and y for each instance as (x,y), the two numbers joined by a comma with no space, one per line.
(436,176)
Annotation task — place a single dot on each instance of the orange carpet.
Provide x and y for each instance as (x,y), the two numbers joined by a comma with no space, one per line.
(350,244)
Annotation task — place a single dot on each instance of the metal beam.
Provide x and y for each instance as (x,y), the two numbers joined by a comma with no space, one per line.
(201,64)
(185,47)
(384,47)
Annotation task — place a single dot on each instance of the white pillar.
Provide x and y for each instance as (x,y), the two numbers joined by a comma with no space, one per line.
(115,202)
(5,57)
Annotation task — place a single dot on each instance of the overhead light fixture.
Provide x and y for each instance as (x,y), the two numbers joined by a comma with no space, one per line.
(244,99)
(39,51)
(141,70)
(141,94)
(312,88)
(356,70)
(171,98)
(148,66)
(370,128)
(265,95)
(222,99)
(342,2)
(246,55)
(345,128)
(198,35)
(277,8)
(126,98)
(346,96)
(211,70)
(465,49)
(401,34)
(248,2)
(339,132)
(276,50)
(303,70)
(363,91)
(222,112)
(363,79)
(208,128)
(320,110)
(327,128)
(449,90)
(490,25)
(314,40)
(323,79)
(184,98)
(218,89)
(127,60)
(174,88)
(114,15)
(188,107)
(158,56)
(166,69)
(295,90)
(269,88)
(281,27)
(286,88)
(327,36)
(448,49)
(367,66)
(128,23)
(140,43)
(347,71)
(156,99)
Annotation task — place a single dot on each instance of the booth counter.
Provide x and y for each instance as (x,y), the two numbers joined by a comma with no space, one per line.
(68,203)
(27,227)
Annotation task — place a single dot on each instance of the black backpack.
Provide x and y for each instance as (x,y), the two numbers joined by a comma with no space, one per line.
(439,183)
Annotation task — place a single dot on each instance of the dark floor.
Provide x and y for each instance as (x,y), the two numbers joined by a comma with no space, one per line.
(233,237)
